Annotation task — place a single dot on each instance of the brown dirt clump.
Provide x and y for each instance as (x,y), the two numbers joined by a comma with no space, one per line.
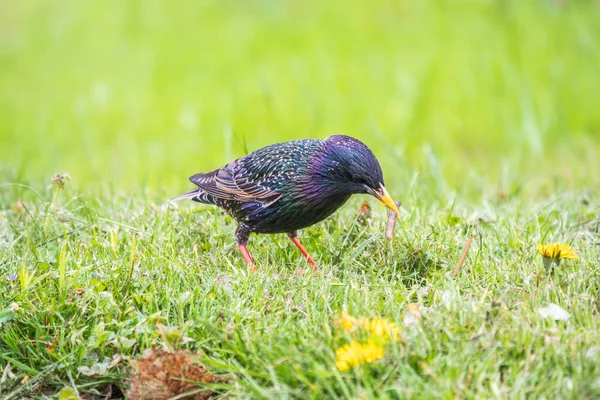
(162,374)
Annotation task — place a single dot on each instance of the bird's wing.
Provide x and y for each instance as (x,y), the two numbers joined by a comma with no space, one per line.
(246,181)
(261,176)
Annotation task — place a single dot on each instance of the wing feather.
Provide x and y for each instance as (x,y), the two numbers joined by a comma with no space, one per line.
(261,176)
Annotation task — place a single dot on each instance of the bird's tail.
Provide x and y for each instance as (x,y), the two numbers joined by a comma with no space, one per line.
(196,195)
(187,195)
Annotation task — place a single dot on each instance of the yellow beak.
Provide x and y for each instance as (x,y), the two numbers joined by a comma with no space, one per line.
(386,199)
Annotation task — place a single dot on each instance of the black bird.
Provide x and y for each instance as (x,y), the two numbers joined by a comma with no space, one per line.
(288,186)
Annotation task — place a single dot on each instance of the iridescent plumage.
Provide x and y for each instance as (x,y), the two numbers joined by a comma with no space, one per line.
(288,186)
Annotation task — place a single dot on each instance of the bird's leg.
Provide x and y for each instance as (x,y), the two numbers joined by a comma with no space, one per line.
(247,257)
(241,237)
(294,238)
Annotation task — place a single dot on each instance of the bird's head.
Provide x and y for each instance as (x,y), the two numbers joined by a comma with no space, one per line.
(350,166)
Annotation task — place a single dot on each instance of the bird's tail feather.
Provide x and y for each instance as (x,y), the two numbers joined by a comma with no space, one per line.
(187,195)
(198,195)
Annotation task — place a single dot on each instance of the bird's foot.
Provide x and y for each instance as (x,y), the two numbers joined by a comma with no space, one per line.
(247,257)
(313,264)
(310,260)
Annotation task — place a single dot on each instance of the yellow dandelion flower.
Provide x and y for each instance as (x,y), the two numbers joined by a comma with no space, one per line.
(355,353)
(381,327)
(346,321)
(556,252)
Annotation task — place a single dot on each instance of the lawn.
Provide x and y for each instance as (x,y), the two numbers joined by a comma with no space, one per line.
(483,114)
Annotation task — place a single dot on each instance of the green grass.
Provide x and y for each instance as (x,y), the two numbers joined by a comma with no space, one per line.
(484,116)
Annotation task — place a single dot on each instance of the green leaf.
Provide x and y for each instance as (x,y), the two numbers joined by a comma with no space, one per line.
(6,315)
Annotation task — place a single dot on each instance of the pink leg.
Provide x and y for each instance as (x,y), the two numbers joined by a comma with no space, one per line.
(247,257)
(295,240)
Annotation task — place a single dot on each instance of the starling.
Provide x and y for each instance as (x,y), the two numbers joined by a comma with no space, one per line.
(289,186)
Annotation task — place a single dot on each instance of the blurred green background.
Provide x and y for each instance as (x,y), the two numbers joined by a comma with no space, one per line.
(131,95)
